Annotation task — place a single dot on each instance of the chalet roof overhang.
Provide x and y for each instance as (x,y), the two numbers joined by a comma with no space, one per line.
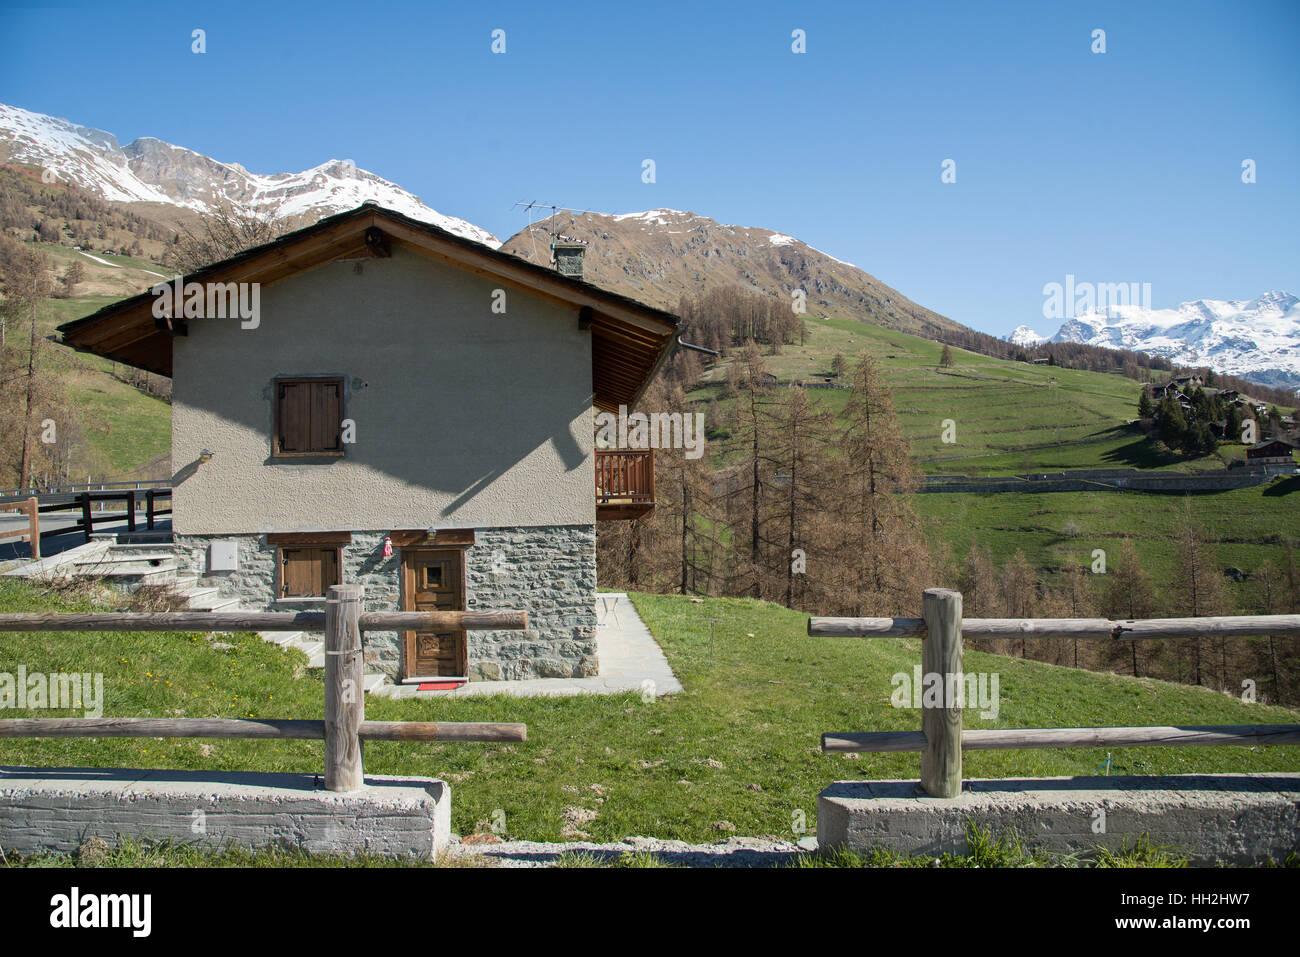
(630,340)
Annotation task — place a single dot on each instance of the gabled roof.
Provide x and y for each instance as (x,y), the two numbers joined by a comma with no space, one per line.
(630,340)
(1267,443)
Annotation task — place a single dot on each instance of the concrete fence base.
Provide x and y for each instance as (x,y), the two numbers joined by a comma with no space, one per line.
(1223,818)
(58,810)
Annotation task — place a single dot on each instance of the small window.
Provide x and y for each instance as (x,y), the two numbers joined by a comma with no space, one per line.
(307,572)
(308,417)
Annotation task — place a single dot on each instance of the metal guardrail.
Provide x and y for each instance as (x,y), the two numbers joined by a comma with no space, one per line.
(8,496)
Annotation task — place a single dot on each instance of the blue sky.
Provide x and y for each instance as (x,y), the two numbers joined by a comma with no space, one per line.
(1115,167)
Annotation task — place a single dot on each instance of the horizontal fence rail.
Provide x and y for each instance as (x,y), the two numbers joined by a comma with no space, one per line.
(1030,738)
(265,621)
(344,726)
(72,489)
(305,730)
(942,740)
(1229,627)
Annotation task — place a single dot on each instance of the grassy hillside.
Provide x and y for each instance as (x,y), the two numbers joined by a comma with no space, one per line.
(1245,526)
(736,753)
(1009,416)
(126,432)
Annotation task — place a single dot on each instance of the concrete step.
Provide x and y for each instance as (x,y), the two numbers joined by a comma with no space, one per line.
(282,638)
(127,576)
(198,594)
(133,551)
(373,682)
(107,565)
(213,603)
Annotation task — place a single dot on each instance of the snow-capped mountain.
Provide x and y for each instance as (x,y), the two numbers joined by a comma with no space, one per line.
(1024,336)
(1255,339)
(151,171)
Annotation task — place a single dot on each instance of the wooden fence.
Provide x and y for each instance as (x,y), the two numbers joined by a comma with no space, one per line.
(344,727)
(32,509)
(941,739)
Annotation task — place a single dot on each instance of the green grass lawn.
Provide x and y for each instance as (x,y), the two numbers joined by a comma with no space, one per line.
(738,752)
(1246,526)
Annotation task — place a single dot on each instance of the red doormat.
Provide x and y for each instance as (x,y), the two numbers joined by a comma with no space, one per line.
(440,686)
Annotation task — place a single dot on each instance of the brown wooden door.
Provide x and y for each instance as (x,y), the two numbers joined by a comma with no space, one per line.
(434,580)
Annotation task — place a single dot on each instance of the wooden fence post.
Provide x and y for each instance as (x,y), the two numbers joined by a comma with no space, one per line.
(86,520)
(941,655)
(34,521)
(344,695)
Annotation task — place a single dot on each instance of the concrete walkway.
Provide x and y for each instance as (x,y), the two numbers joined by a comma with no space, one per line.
(630,660)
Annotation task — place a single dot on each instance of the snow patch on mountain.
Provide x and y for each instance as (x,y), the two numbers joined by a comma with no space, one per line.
(152,171)
(1256,339)
(1025,336)
(678,217)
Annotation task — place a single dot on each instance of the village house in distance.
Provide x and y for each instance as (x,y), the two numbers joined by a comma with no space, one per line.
(411,411)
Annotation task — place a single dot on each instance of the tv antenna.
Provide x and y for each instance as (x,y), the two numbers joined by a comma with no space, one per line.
(555,211)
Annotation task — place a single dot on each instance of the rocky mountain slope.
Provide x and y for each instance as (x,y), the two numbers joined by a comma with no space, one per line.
(149,171)
(661,255)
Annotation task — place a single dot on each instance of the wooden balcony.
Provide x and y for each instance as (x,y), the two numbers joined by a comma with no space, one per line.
(625,483)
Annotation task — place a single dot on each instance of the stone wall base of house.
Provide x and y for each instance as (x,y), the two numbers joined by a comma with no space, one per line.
(548,571)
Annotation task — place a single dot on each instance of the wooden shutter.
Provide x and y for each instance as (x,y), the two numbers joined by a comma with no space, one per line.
(295,416)
(329,568)
(309,417)
(296,573)
(326,416)
(308,572)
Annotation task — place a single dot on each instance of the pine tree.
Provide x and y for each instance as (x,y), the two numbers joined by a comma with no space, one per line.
(881,558)
(1129,593)
(1199,584)
(1019,591)
(798,432)
(749,417)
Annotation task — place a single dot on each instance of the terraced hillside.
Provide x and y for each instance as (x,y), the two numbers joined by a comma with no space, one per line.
(1008,417)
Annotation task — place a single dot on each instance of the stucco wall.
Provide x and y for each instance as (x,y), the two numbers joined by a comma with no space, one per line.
(463,417)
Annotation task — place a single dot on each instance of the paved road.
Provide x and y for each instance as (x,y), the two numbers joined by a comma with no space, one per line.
(12,525)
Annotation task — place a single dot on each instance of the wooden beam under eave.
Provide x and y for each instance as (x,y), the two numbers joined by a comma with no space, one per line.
(173,327)
(377,242)
(122,337)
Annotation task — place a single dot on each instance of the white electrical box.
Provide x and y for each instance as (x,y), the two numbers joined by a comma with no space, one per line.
(223,556)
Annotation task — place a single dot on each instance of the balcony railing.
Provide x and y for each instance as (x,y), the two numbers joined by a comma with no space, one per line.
(625,483)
